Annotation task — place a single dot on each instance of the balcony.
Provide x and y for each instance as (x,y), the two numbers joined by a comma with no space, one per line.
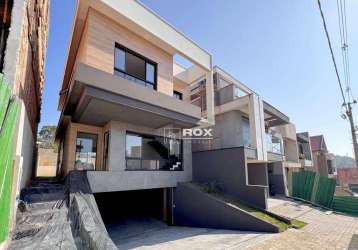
(96,97)
(274,144)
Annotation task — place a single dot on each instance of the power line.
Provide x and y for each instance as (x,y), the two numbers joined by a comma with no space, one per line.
(332,54)
(342,23)
(343,35)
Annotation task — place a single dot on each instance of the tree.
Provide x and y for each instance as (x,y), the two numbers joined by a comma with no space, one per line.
(46,137)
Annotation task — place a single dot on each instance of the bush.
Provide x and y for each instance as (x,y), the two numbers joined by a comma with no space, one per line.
(213,187)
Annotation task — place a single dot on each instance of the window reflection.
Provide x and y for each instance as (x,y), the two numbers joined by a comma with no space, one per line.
(86,151)
(148,152)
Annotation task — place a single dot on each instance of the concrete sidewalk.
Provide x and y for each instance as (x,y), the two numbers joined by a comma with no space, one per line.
(325,230)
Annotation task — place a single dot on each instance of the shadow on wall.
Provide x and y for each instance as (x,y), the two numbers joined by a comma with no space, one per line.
(227,166)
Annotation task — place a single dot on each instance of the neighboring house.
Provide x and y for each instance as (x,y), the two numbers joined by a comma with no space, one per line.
(122,92)
(23,45)
(346,176)
(323,161)
(304,150)
(254,144)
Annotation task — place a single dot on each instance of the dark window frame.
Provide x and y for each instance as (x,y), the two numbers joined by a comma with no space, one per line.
(97,142)
(128,132)
(145,59)
(105,148)
(179,94)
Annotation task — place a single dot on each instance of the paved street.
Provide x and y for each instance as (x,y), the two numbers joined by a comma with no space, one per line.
(324,231)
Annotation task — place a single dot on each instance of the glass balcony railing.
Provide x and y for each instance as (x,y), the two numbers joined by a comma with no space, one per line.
(274,143)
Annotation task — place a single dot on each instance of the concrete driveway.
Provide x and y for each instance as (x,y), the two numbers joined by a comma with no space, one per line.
(324,231)
(172,238)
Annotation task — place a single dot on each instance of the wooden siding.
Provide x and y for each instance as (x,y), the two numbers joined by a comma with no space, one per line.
(98,43)
(69,153)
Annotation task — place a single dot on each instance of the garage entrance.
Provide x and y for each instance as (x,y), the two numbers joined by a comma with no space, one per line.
(130,213)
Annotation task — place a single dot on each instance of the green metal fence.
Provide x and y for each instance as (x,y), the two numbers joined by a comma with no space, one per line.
(346,204)
(8,115)
(312,187)
(302,184)
(324,192)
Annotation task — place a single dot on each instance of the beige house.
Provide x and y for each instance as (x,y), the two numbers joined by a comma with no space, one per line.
(122,91)
(323,161)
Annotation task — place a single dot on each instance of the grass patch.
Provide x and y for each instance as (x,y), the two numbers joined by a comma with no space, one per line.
(282,225)
(298,224)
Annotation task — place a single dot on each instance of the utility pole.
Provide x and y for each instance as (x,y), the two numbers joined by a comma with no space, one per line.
(349,113)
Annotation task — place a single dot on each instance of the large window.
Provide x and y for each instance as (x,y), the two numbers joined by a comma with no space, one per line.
(132,66)
(86,151)
(148,152)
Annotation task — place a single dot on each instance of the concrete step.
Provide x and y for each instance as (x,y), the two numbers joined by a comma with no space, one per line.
(42,193)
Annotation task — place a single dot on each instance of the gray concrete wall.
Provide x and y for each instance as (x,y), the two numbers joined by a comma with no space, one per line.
(225,95)
(277,178)
(118,179)
(228,167)
(196,208)
(257,174)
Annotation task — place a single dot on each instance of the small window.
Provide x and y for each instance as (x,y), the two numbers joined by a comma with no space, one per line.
(178,95)
(134,67)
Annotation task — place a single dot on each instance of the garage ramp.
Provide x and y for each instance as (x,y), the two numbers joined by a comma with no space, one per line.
(194,207)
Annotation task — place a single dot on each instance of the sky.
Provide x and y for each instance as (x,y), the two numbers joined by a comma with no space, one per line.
(277,48)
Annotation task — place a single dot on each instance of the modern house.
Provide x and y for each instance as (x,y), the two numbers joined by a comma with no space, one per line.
(123,93)
(253,147)
(23,45)
(124,103)
(304,150)
(323,161)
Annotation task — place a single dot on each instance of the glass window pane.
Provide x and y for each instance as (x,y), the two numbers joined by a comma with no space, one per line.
(86,151)
(119,59)
(150,164)
(133,146)
(150,77)
(133,164)
(153,152)
(135,66)
(246,135)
